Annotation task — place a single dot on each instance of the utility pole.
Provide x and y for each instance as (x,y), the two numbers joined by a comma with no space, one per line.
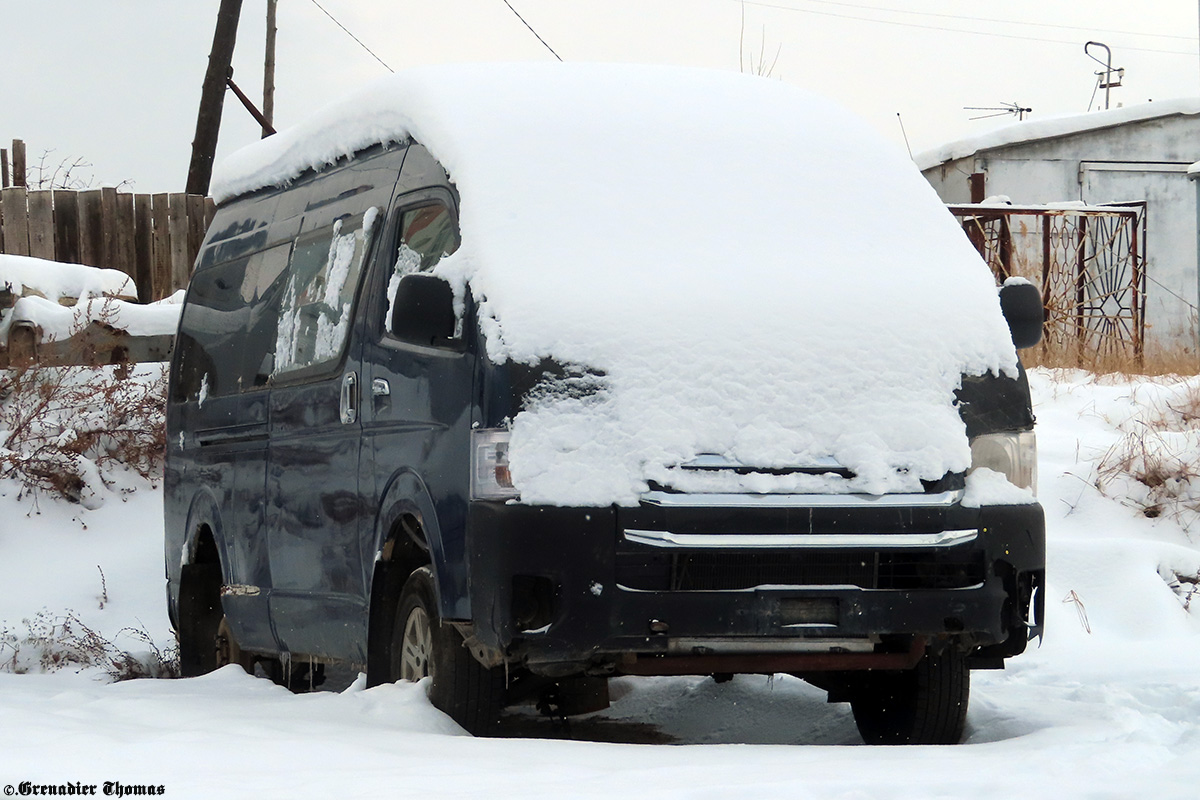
(212,97)
(269,71)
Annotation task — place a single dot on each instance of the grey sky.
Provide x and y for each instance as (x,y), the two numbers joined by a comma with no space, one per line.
(117,82)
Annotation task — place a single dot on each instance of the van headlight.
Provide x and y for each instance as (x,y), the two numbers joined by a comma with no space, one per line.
(1013,454)
(490,478)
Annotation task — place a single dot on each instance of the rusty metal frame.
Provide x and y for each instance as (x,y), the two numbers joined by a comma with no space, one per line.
(1090,268)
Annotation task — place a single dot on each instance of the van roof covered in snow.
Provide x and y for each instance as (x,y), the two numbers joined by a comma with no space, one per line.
(754,272)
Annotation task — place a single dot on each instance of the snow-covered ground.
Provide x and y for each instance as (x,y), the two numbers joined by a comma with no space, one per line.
(1108,706)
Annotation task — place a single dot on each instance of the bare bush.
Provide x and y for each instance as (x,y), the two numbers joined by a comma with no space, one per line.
(63,428)
(53,642)
(1152,467)
(69,172)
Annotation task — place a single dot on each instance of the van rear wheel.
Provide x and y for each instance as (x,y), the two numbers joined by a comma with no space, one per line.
(924,705)
(470,693)
(206,641)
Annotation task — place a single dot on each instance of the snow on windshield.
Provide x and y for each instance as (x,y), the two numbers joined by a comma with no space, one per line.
(750,269)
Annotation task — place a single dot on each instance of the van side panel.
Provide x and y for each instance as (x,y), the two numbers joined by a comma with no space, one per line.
(315,510)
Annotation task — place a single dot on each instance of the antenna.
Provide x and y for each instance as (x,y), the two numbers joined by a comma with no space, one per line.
(1015,109)
(1104,80)
(905,134)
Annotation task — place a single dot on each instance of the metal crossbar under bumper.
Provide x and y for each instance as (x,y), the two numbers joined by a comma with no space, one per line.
(767,664)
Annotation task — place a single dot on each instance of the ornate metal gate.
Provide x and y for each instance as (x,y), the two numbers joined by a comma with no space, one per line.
(1088,261)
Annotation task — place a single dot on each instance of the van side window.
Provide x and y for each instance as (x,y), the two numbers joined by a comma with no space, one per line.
(210,338)
(226,302)
(263,290)
(314,316)
(427,233)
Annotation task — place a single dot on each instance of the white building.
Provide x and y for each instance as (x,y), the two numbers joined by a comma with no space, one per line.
(1126,155)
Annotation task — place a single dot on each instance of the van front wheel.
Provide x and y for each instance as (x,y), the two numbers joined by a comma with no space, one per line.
(924,705)
(470,693)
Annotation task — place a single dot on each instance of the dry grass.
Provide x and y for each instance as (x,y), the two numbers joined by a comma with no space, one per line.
(53,642)
(1155,465)
(1177,362)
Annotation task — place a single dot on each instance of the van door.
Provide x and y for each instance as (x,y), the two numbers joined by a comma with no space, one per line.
(220,387)
(314,510)
(417,401)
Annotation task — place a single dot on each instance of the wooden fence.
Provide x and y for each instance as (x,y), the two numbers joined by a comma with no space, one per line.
(153,238)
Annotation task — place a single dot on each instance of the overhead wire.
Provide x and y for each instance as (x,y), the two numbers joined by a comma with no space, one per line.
(352,36)
(949,30)
(531,30)
(991,19)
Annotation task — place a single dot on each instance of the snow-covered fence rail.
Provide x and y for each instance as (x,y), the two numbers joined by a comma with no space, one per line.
(152,238)
(58,314)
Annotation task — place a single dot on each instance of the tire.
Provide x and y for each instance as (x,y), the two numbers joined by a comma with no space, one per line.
(470,693)
(206,641)
(924,705)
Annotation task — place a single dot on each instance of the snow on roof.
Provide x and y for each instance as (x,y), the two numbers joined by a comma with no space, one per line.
(1053,127)
(753,272)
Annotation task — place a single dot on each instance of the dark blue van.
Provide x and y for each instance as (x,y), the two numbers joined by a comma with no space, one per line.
(338,492)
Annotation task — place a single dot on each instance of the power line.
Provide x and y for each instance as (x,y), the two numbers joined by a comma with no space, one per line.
(531,30)
(352,36)
(988,19)
(952,30)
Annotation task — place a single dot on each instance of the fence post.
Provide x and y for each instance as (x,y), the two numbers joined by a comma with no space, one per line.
(196,228)
(124,236)
(108,227)
(66,226)
(16,221)
(91,222)
(180,268)
(143,247)
(41,224)
(18,163)
(161,263)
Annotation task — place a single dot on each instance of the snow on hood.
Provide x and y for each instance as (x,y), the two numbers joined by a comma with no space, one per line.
(750,269)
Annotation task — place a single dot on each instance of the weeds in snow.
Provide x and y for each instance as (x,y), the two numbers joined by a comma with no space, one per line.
(1080,610)
(1185,586)
(63,428)
(103,588)
(53,642)
(1152,467)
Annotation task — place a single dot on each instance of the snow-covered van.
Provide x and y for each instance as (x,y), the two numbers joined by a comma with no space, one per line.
(525,376)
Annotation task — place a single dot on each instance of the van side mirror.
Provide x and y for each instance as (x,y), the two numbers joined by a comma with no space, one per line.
(423,312)
(1021,303)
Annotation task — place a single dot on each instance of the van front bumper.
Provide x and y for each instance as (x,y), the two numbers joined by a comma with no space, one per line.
(777,584)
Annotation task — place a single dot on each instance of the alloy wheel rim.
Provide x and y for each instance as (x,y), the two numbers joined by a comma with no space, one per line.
(416,646)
